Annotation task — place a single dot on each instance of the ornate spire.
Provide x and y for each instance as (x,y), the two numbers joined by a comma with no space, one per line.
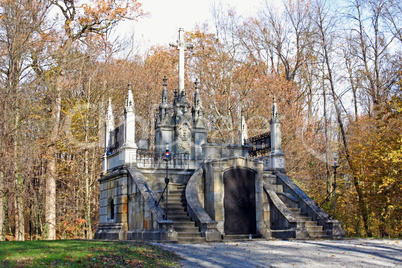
(164,106)
(243,132)
(275,113)
(129,123)
(197,110)
(277,157)
(165,97)
(197,97)
(129,101)
(109,113)
(181,45)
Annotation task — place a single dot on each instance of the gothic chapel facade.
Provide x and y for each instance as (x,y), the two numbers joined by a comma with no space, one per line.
(189,190)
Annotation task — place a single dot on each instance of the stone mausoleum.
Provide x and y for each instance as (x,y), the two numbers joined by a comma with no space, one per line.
(189,190)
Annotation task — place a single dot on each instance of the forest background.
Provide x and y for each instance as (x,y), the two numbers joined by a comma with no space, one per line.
(335,71)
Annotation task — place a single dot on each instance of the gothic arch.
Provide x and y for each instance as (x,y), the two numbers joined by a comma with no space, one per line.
(111,209)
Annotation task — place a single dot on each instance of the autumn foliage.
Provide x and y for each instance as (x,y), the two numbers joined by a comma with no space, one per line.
(338,90)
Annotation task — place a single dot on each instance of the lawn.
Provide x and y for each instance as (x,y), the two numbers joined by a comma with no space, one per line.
(84,253)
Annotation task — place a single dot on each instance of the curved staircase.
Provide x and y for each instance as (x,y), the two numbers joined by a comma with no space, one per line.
(187,231)
(312,228)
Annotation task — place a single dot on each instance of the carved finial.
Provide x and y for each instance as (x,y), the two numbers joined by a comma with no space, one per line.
(109,114)
(130,100)
(243,132)
(275,113)
(164,91)
(197,97)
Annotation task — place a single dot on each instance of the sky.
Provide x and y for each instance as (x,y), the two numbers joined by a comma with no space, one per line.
(167,16)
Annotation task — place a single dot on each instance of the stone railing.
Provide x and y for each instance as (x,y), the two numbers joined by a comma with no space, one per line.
(197,212)
(284,223)
(165,231)
(178,162)
(331,226)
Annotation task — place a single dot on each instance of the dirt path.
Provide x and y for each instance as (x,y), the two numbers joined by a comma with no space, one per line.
(278,253)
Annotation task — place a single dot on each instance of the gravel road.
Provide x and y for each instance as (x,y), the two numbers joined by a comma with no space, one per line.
(283,253)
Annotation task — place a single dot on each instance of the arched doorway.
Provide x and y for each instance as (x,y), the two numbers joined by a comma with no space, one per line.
(239,201)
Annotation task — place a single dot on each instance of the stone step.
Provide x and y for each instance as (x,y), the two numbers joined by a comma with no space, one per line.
(176,186)
(269,178)
(177,192)
(178,217)
(235,237)
(191,240)
(184,224)
(177,213)
(175,199)
(303,218)
(295,210)
(174,204)
(175,210)
(186,229)
(189,234)
(313,229)
(321,234)
(312,224)
(316,228)
(299,213)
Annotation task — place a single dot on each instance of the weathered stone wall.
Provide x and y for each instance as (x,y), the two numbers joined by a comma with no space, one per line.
(140,216)
(113,187)
(218,151)
(113,206)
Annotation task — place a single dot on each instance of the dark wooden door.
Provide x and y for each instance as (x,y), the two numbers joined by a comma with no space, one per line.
(239,201)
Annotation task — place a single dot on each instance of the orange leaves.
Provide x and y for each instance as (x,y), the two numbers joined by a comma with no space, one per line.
(85,17)
(110,10)
(376,153)
(69,226)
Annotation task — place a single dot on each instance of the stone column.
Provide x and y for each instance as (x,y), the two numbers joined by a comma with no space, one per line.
(163,125)
(277,157)
(243,133)
(200,132)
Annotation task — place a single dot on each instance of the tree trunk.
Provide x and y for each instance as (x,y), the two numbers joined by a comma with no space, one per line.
(324,35)
(2,216)
(87,177)
(326,130)
(87,198)
(50,204)
(19,218)
(18,185)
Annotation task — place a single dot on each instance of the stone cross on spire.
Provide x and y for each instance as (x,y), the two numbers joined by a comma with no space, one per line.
(181,45)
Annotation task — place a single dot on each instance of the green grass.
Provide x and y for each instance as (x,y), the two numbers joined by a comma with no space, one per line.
(84,253)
